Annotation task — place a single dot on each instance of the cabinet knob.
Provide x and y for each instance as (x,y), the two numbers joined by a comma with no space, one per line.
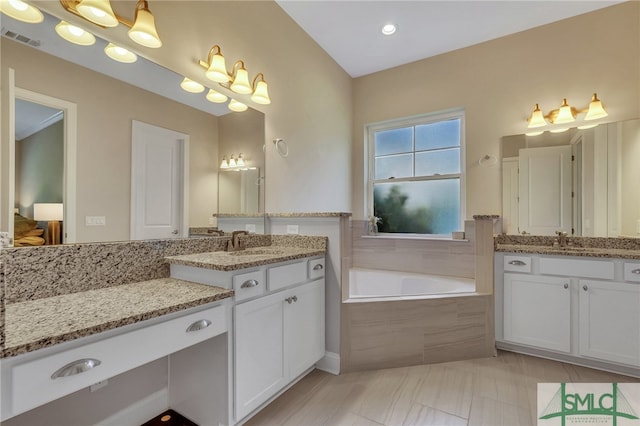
(174,232)
(566,285)
(249,284)
(291,299)
(636,271)
(319,267)
(517,263)
(585,287)
(76,367)
(199,325)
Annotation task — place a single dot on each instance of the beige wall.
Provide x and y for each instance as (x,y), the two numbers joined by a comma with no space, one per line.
(498,83)
(106,108)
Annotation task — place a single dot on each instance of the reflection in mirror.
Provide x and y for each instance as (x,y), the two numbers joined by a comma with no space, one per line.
(106,108)
(581,181)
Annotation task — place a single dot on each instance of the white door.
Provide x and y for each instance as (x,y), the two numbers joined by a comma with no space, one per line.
(610,321)
(158,191)
(537,311)
(304,327)
(510,195)
(545,190)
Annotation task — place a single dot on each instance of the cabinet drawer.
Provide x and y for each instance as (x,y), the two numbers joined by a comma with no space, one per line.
(287,275)
(45,379)
(517,263)
(601,269)
(632,272)
(316,268)
(249,285)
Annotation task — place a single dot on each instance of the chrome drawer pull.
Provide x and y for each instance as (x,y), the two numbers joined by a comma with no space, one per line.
(76,367)
(517,263)
(585,288)
(249,284)
(199,325)
(319,267)
(291,299)
(636,271)
(566,285)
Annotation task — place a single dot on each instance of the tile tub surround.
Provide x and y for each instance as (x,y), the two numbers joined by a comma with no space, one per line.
(41,323)
(622,248)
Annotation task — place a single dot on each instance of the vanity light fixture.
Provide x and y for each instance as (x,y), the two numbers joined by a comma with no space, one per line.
(237,106)
(224,164)
(240,82)
(75,35)
(566,114)
(388,29)
(260,91)
(191,86)
(235,165)
(216,97)
(120,54)
(142,29)
(216,67)
(17,9)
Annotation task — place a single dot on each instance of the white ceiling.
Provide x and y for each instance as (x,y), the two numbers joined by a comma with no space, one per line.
(349,31)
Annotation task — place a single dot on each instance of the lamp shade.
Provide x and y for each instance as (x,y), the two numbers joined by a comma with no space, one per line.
(240,82)
(75,35)
(565,114)
(537,119)
(261,94)
(216,97)
(237,106)
(224,164)
(217,70)
(596,110)
(191,86)
(98,11)
(48,211)
(17,9)
(144,29)
(120,54)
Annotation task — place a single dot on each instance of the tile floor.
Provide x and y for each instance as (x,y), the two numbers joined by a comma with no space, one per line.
(488,392)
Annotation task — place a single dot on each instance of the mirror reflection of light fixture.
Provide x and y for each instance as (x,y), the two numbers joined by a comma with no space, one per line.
(191,86)
(98,11)
(75,35)
(142,29)
(120,54)
(237,106)
(234,164)
(216,97)
(224,164)
(240,83)
(260,92)
(53,213)
(17,9)
(566,114)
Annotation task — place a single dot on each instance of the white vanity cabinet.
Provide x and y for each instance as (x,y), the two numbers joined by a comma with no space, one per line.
(575,309)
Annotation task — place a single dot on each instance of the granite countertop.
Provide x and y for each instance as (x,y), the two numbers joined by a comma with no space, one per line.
(248,258)
(616,253)
(41,323)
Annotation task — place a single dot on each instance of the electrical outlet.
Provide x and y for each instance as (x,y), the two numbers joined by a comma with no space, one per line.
(250,227)
(99,385)
(292,229)
(95,220)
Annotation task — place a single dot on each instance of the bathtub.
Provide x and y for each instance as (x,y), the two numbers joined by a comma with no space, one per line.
(373,283)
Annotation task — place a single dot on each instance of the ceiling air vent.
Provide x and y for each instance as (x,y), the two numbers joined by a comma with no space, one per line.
(19,37)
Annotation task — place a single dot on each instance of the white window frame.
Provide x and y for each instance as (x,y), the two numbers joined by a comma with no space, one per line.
(434,117)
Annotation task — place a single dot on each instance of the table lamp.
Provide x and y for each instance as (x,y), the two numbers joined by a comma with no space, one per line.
(52,213)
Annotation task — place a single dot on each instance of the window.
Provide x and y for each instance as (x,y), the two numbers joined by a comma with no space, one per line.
(416,179)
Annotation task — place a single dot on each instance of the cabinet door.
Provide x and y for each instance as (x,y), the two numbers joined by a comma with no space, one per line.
(304,327)
(537,311)
(610,321)
(259,352)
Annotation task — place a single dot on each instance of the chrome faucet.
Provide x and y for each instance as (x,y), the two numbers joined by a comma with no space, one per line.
(234,243)
(562,238)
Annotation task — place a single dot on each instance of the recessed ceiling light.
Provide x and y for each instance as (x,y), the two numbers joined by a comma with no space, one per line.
(389,29)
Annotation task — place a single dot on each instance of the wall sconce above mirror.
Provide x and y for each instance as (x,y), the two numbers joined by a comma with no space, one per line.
(233,164)
(561,119)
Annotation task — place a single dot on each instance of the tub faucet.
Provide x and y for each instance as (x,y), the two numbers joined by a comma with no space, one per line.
(234,243)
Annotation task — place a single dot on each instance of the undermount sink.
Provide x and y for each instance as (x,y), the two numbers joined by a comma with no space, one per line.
(258,251)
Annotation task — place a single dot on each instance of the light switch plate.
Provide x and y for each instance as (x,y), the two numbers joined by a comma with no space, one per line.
(292,229)
(95,220)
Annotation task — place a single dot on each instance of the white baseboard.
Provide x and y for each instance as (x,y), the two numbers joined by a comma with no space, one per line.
(330,363)
(140,411)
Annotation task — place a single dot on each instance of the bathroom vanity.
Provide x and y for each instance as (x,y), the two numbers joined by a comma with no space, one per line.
(574,303)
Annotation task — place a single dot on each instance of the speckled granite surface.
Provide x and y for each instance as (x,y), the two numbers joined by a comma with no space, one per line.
(320,214)
(36,324)
(486,216)
(2,305)
(621,248)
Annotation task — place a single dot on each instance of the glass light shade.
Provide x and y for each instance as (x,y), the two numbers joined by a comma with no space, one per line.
(232,162)
(48,211)
(596,110)
(120,54)
(144,30)
(216,97)
(240,162)
(191,86)
(565,115)
(241,82)
(217,70)
(537,119)
(74,34)
(98,11)
(224,164)
(388,29)
(237,106)
(17,9)
(261,94)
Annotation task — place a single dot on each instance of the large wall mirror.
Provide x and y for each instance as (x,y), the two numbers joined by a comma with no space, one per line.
(108,97)
(583,182)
